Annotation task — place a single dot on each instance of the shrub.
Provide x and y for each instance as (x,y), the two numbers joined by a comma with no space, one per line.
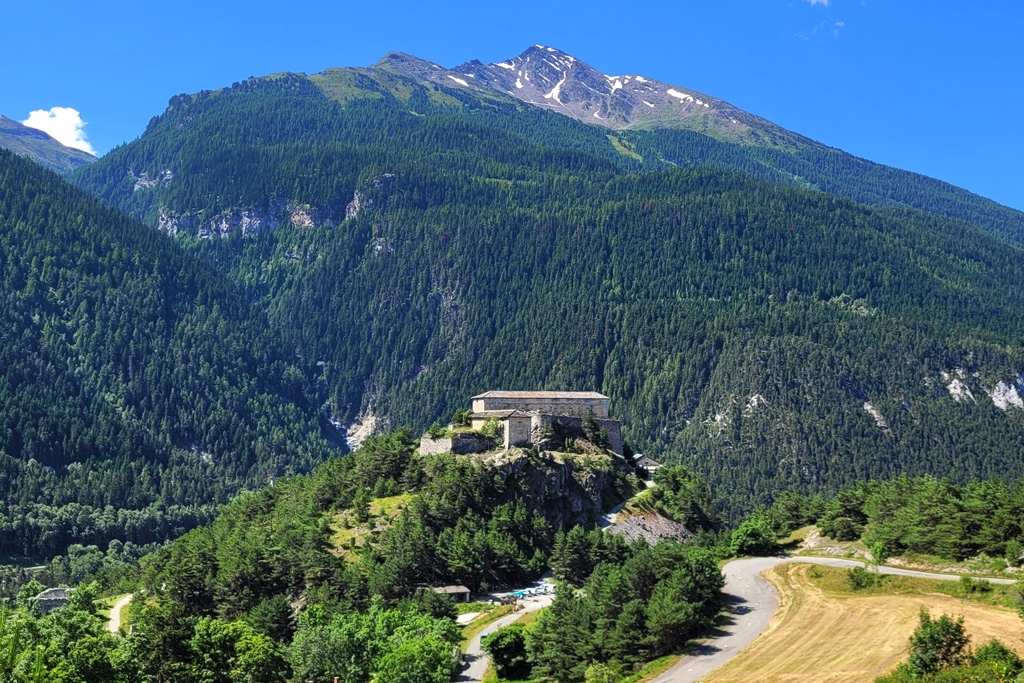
(844,529)
(1013,551)
(937,644)
(858,578)
(507,648)
(490,427)
(600,673)
(970,586)
(995,652)
(754,537)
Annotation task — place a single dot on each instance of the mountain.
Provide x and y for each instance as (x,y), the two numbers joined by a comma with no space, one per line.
(134,181)
(137,388)
(551,79)
(40,147)
(423,242)
(656,122)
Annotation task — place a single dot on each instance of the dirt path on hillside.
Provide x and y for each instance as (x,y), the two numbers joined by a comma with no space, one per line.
(115,613)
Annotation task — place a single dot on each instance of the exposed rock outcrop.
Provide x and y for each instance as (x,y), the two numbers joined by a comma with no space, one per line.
(648,525)
(566,489)
(143,181)
(248,221)
(367,197)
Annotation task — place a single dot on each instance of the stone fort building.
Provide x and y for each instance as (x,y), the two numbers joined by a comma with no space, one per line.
(524,415)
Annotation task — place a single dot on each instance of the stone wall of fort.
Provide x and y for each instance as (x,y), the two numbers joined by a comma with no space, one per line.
(459,443)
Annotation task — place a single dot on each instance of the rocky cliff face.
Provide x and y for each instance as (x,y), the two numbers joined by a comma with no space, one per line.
(248,221)
(366,198)
(255,220)
(567,489)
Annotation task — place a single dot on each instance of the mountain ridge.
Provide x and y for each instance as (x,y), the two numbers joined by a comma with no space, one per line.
(550,78)
(658,128)
(41,147)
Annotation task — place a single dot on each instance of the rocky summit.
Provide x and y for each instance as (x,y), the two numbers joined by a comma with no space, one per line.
(549,78)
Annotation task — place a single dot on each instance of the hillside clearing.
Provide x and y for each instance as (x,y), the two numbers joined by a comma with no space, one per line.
(349,535)
(825,632)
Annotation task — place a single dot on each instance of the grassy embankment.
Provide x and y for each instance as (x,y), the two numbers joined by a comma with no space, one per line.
(807,541)
(480,624)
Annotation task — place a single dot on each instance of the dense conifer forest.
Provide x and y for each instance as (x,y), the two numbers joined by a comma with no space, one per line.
(137,388)
(315,577)
(765,335)
(277,587)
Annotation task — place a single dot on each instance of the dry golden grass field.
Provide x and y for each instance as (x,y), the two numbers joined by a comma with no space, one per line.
(824,631)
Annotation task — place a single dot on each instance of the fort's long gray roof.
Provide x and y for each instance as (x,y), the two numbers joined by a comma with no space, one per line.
(541,394)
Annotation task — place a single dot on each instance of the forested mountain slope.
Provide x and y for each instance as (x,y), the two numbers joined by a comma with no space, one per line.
(377,103)
(670,125)
(40,147)
(424,245)
(136,385)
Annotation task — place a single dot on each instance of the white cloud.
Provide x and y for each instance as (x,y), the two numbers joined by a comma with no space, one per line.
(63,124)
(823,3)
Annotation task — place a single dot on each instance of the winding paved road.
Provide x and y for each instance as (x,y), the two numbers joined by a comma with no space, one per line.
(752,601)
(475,660)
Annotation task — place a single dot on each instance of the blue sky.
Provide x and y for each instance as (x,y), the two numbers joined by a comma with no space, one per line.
(934,87)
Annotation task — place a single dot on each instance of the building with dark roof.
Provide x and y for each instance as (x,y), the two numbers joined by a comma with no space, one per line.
(645,464)
(457,593)
(52,598)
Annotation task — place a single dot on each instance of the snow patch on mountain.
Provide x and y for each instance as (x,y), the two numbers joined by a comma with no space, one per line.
(683,97)
(556,91)
(458,80)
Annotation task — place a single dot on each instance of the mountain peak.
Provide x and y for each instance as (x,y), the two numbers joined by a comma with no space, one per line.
(548,77)
(552,79)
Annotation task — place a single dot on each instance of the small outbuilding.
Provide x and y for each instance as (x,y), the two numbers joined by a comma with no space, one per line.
(646,465)
(457,593)
(52,598)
